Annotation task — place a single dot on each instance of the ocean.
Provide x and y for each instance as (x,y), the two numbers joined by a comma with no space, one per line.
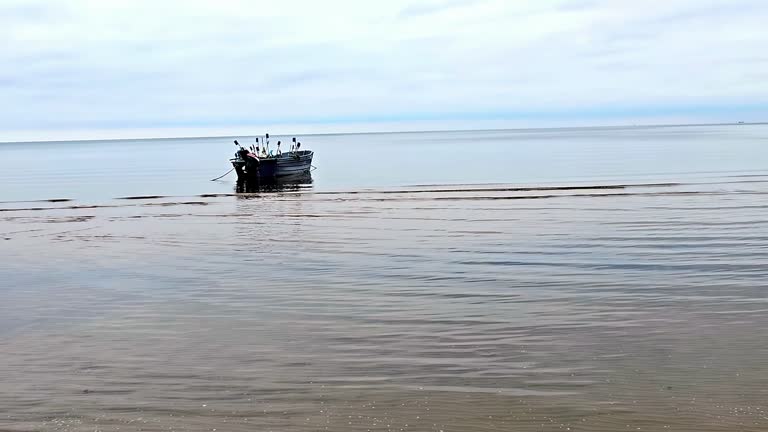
(582,279)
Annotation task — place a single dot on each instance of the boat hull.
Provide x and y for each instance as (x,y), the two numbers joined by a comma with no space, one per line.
(292,164)
(285,165)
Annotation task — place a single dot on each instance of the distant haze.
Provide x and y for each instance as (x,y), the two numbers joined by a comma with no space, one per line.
(88,69)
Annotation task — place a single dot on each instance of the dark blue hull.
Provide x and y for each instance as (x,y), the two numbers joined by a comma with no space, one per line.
(285,165)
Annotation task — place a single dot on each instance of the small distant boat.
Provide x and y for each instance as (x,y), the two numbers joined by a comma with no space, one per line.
(250,166)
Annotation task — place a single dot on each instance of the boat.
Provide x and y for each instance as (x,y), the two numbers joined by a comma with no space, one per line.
(250,166)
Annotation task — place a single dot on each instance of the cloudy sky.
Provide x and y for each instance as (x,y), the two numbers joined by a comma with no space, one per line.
(153,68)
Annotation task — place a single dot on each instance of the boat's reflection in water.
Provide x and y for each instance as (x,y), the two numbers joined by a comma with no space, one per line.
(282,184)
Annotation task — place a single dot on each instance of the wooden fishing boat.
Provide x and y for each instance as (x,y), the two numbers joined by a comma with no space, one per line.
(250,166)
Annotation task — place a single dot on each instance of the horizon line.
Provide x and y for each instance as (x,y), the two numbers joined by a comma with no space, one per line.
(625,126)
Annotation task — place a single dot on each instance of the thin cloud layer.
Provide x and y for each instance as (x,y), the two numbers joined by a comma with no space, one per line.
(86,64)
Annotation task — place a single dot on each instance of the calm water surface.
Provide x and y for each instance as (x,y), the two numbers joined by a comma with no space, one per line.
(422,282)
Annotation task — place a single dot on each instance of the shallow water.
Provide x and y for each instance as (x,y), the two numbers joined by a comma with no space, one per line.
(511,294)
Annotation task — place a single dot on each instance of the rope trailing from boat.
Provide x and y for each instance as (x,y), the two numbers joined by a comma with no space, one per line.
(233,168)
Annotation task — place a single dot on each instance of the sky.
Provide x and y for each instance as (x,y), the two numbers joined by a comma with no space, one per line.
(113,69)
